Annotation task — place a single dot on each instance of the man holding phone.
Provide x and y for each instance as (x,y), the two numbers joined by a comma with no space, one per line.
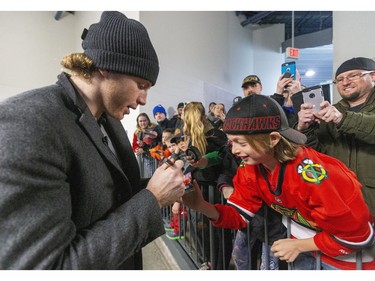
(346,129)
(290,81)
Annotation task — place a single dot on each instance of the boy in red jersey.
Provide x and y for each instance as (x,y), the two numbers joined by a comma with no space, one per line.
(319,193)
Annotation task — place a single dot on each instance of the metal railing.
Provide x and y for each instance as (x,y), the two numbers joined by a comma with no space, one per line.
(208,246)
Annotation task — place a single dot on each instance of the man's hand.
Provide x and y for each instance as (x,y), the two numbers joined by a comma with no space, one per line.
(329,113)
(167,183)
(305,116)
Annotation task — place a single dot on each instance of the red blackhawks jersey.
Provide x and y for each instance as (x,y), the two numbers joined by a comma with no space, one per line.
(321,196)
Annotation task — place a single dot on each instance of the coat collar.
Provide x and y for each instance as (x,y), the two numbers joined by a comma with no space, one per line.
(92,129)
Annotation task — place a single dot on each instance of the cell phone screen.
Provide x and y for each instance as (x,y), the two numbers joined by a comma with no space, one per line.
(289,67)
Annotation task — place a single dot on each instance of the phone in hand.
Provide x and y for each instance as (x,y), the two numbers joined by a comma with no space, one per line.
(188,181)
(313,95)
(288,69)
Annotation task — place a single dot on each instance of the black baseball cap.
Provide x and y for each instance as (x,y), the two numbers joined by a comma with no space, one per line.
(359,63)
(181,104)
(258,114)
(251,79)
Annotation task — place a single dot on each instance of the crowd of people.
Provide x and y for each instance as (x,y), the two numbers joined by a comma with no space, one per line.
(73,196)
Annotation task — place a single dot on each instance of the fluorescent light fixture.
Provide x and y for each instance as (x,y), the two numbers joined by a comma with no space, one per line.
(310,73)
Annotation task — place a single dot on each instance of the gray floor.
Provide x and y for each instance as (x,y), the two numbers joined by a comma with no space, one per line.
(156,256)
(165,254)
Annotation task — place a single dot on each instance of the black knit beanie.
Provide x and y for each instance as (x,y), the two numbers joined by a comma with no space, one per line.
(356,63)
(122,45)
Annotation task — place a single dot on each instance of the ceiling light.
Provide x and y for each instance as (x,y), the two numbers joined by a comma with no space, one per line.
(310,73)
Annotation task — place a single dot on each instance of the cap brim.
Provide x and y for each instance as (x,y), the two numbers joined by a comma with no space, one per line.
(293,135)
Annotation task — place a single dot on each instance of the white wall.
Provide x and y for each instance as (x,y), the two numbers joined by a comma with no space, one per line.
(32,45)
(353,36)
(203,57)
(267,56)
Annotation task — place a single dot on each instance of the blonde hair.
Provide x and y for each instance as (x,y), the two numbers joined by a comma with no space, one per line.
(283,151)
(194,125)
(78,64)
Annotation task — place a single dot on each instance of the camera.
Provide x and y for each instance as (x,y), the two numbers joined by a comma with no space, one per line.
(311,95)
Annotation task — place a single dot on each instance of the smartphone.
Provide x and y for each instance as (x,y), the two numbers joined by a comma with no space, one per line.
(313,95)
(289,69)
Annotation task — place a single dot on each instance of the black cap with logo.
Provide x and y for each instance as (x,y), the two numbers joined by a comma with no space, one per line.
(257,114)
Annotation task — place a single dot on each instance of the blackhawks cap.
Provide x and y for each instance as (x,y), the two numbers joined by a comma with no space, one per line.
(257,114)
(251,79)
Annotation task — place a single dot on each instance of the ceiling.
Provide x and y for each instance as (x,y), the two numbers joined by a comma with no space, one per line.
(304,21)
(319,59)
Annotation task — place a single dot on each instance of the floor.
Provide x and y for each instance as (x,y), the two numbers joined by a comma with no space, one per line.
(157,256)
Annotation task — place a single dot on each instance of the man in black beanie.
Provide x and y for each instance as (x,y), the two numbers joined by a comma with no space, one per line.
(346,130)
(71,196)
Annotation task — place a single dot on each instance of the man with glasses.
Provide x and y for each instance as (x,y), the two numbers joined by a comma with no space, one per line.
(346,130)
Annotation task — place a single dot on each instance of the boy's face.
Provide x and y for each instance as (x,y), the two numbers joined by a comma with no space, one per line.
(164,136)
(171,146)
(159,117)
(184,143)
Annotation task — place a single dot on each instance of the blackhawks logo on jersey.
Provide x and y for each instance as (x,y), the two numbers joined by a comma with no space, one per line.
(312,172)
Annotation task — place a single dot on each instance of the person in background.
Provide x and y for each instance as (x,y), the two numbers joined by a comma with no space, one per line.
(346,129)
(218,117)
(286,87)
(69,181)
(178,144)
(176,121)
(207,139)
(160,116)
(317,192)
(167,134)
(211,107)
(146,137)
(251,85)
(288,107)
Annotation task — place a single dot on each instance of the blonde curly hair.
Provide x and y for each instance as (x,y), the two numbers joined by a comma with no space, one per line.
(78,64)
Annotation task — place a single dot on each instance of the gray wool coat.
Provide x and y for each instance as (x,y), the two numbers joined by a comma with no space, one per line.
(65,201)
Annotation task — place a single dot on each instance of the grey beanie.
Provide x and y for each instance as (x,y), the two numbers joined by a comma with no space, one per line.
(356,63)
(122,45)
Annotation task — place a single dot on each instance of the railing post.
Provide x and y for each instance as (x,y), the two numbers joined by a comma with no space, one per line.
(358,260)
(288,234)
(266,254)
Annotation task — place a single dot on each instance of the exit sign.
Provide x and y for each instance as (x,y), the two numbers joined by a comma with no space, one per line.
(292,53)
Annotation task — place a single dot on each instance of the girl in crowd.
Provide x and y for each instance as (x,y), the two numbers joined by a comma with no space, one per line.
(146,136)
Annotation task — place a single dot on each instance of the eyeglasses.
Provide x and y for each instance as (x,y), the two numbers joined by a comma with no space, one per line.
(351,77)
